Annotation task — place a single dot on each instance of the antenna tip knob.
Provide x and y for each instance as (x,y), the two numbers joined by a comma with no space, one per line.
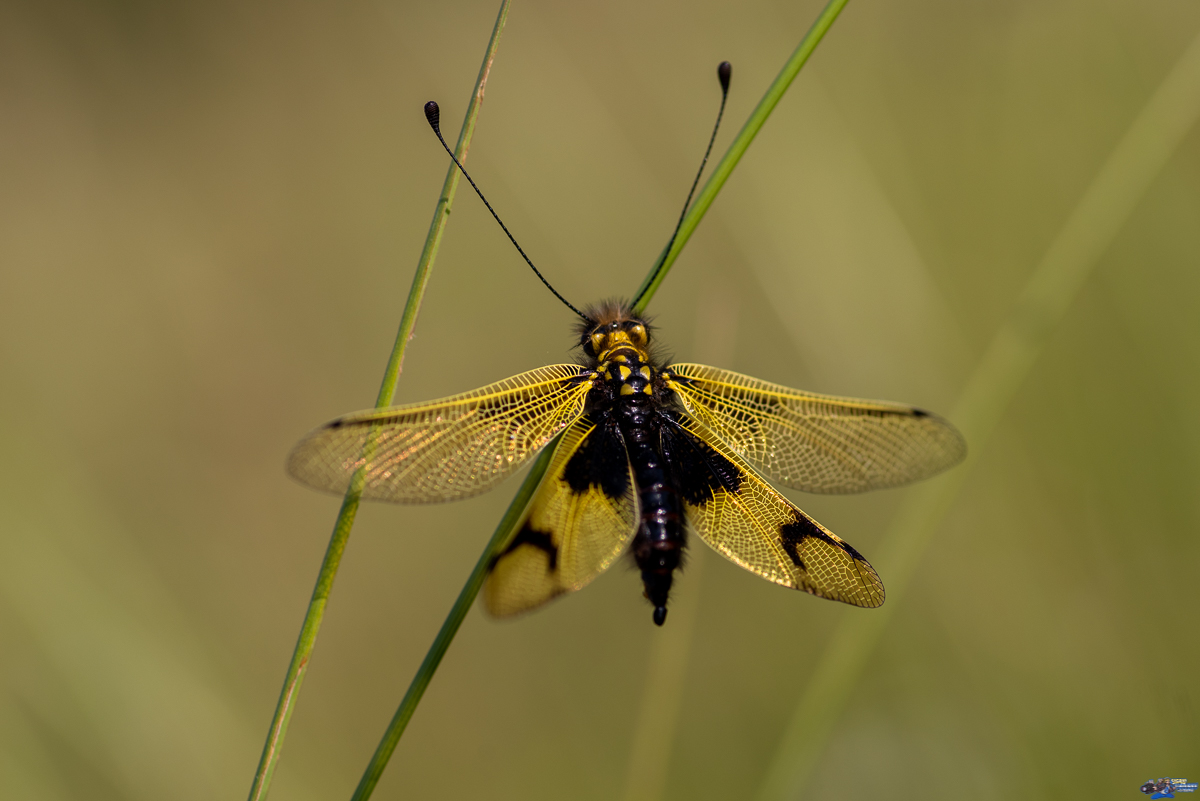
(724,70)
(432,113)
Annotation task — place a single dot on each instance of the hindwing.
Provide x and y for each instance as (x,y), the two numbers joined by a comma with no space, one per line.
(817,443)
(445,449)
(583,514)
(739,514)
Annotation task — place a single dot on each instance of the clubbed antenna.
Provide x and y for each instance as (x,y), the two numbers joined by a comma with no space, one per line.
(724,71)
(433,114)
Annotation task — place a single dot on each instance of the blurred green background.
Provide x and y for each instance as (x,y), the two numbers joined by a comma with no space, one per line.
(209,218)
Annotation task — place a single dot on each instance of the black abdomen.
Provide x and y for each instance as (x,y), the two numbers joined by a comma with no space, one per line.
(660,539)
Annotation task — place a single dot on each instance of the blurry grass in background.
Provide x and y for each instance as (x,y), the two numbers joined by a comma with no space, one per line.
(1060,274)
(209,216)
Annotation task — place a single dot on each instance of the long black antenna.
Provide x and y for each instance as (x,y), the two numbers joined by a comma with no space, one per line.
(433,114)
(724,70)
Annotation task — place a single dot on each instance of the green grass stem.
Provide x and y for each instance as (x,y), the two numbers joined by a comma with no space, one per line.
(737,149)
(450,626)
(387,390)
(651,283)
(1102,211)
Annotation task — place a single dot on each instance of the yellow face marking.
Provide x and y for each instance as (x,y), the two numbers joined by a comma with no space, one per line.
(626,389)
(625,372)
(620,357)
(639,355)
(645,371)
(604,343)
(618,338)
(638,333)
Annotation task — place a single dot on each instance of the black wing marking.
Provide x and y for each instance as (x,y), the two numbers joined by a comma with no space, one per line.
(739,514)
(583,515)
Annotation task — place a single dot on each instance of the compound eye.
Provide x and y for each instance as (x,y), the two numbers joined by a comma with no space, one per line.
(597,341)
(638,334)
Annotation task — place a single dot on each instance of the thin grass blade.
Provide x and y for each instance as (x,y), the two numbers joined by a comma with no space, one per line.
(445,635)
(650,284)
(387,390)
(737,149)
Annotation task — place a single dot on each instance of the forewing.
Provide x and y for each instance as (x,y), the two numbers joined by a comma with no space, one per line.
(817,443)
(739,514)
(446,449)
(582,516)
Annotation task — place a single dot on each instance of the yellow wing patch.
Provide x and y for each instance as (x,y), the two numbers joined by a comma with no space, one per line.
(579,521)
(445,449)
(739,514)
(817,443)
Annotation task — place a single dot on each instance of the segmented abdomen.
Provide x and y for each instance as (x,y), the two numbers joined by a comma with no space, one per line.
(659,542)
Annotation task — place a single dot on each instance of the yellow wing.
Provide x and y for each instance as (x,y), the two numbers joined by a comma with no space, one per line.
(817,443)
(739,514)
(583,515)
(446,449)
